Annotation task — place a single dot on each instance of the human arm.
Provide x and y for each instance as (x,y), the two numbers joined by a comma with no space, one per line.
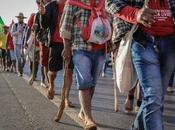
(131,14)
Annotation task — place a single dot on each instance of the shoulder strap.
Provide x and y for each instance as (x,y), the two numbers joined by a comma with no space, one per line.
(16,26)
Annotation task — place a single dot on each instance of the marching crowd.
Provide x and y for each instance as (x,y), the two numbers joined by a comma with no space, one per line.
(79,36)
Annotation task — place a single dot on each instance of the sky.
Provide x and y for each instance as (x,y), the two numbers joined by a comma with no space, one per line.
(11,8)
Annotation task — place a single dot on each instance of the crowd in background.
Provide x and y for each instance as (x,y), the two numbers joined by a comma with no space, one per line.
(51,41)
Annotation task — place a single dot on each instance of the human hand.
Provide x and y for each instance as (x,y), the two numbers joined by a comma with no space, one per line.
(145,16)
(67,53)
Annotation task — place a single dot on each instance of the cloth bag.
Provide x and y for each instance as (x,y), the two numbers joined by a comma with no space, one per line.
(125,74)
(126,77)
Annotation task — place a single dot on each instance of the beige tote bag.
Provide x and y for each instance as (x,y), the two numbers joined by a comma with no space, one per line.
(126,77)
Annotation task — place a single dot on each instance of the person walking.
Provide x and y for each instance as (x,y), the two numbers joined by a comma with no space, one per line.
(50,18)
(18,32)
(88,55)
(43,45)
(153,52)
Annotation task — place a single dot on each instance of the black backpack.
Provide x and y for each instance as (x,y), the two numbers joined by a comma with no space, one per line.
(42,35)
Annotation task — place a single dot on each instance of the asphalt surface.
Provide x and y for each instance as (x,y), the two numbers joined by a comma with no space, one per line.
(24,107)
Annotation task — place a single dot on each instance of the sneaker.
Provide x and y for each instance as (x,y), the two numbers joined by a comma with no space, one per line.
(19,74)
(103,74)
(170,89)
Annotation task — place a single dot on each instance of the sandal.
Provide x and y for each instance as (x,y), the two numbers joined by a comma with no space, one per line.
(69,104)
(50,94)
(81,117)
(90,127)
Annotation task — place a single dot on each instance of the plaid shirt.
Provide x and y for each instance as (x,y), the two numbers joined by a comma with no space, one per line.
(69,28)
(120,27)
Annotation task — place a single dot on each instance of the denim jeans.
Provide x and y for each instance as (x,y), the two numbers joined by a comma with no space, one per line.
(154,64)
(20,58)
(88,66)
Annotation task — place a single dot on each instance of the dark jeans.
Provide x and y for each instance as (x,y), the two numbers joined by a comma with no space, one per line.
(154,63)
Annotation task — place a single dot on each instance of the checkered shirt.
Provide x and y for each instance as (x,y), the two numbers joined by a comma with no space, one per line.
(120,27)
(69,28)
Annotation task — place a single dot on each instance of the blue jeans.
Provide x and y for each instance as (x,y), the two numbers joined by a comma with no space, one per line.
(88,66)
(20,58)
(154,64)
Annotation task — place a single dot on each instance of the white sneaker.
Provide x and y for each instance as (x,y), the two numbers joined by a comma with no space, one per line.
(170,89)
(103,74)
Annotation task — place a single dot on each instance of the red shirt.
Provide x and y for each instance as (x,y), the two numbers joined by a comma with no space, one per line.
(98,47)
(31,20)
(10,45)
(56,36)
(163,25)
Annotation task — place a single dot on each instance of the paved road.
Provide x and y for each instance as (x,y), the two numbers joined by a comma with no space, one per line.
(41,113)
(24,108)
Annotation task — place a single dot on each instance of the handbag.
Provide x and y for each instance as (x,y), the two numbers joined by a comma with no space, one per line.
(125,74)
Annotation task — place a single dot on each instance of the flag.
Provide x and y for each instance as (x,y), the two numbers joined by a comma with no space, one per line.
(1,25)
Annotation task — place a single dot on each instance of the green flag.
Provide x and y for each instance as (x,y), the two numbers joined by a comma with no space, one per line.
(1,25)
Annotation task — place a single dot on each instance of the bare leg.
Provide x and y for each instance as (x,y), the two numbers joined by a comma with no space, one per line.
(52,77)
(85,97)
(46,74)
(129,101)
(139,98)
(67,91)
(81,113)
(42,76)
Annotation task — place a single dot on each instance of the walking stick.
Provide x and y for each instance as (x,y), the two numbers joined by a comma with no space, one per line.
(31,80)
(62,104)
(115,83)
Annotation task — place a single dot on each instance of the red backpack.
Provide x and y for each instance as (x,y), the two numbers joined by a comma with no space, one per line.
(98,30)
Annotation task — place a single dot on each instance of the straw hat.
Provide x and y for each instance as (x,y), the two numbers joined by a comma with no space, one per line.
(21,15)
